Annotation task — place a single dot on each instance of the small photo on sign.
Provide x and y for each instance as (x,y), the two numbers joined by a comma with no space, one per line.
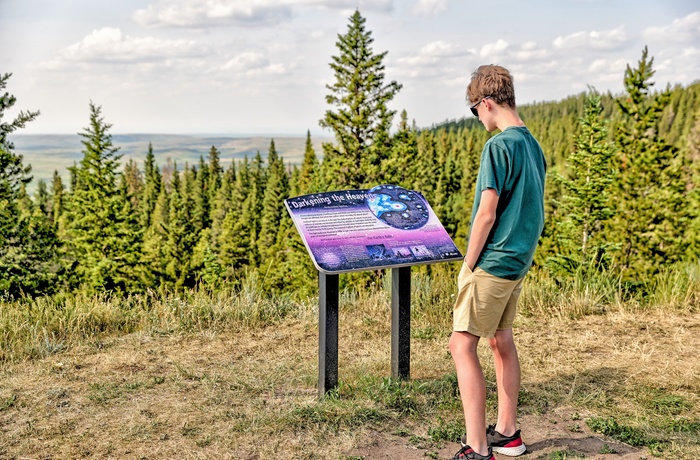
(421,252)
(378,252)
(403,253)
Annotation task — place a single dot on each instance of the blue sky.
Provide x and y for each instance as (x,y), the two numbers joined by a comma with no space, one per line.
(241,67)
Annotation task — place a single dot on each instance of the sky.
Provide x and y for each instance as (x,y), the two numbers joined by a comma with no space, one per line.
(260,67)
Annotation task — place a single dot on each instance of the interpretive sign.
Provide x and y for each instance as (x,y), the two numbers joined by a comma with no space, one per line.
(352,230)
(384,227)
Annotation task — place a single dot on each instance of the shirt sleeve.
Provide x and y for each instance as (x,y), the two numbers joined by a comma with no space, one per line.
(494,168)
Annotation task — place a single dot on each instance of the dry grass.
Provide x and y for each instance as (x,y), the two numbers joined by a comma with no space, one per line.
(249,391)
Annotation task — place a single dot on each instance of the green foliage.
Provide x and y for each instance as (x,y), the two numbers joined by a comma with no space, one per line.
(622,204)
(649,199)
(99,225)
(585,205)
(360,119)
(28,241)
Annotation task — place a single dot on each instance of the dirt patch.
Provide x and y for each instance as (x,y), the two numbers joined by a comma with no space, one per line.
(543,435)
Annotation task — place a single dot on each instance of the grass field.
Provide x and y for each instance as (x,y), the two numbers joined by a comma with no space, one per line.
(233,376)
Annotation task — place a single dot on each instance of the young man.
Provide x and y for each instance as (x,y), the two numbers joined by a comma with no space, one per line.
(506,223)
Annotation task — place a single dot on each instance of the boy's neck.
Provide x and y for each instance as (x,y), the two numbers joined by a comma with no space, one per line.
(507,118)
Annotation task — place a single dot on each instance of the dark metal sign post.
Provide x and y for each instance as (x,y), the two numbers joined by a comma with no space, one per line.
(327,332)
(328,299)
(401,323)
(355,230)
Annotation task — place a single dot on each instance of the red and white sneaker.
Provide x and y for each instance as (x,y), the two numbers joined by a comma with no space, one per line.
(511,446)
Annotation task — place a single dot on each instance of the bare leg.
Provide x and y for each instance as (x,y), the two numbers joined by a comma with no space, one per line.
(507,367)
(472,388)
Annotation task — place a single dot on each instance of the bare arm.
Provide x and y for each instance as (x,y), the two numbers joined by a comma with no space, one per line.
(481,227)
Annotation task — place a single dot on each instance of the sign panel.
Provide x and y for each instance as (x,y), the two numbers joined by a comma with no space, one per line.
(384,227)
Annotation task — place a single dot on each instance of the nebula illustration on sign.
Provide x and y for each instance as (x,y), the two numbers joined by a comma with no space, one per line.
(398,207)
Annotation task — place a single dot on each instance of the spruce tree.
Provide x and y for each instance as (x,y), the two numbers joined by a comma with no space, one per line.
(154,257)
(650,206)
(359,117)
(57,191)
(153,182)
(99,225)
(273,210)
(215,175)
(585,205)
(27,241)
(198,195)
(307,182)
(693,249)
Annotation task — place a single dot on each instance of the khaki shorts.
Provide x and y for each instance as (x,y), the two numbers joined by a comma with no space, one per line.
(485,303)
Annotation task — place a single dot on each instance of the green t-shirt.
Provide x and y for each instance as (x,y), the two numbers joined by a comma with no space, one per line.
(513,164)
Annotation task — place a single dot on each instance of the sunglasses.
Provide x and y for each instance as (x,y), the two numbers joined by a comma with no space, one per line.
(473,108)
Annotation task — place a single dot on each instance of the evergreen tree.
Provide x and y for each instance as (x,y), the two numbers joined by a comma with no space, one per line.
(273,210)
(153,182)
(27,241)
(99,225)
(359,118)
(650,205)
(198,196)
(585,205)
(133,183)
(404,150)
(181,231)
(215,175)
(155,257)
(693,249)
(308,174)
(223,204)
(42,200)
(57,191)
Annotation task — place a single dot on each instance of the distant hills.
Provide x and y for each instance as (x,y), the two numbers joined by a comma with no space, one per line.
(56,152)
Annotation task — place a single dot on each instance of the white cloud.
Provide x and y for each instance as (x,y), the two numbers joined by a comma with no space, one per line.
(594,40)
(253,13)
(494,50)
(110,45)
(435,59)
(252,63)
(343,5)
(429,7)
(208,13)
(682,30)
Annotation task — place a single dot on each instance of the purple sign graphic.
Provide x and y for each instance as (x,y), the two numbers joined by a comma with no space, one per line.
(385,227)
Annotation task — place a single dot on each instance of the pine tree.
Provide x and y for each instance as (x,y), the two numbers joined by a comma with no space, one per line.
(27,242)
(153,182)
(307,181)
(57,191)
(181,234)
(198,195)
(215,175)
(154,257)
(273,210)
(99,225)
(693,249)
(650,205)
(585,205)
(133,184)
(359,118)
(404,150)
